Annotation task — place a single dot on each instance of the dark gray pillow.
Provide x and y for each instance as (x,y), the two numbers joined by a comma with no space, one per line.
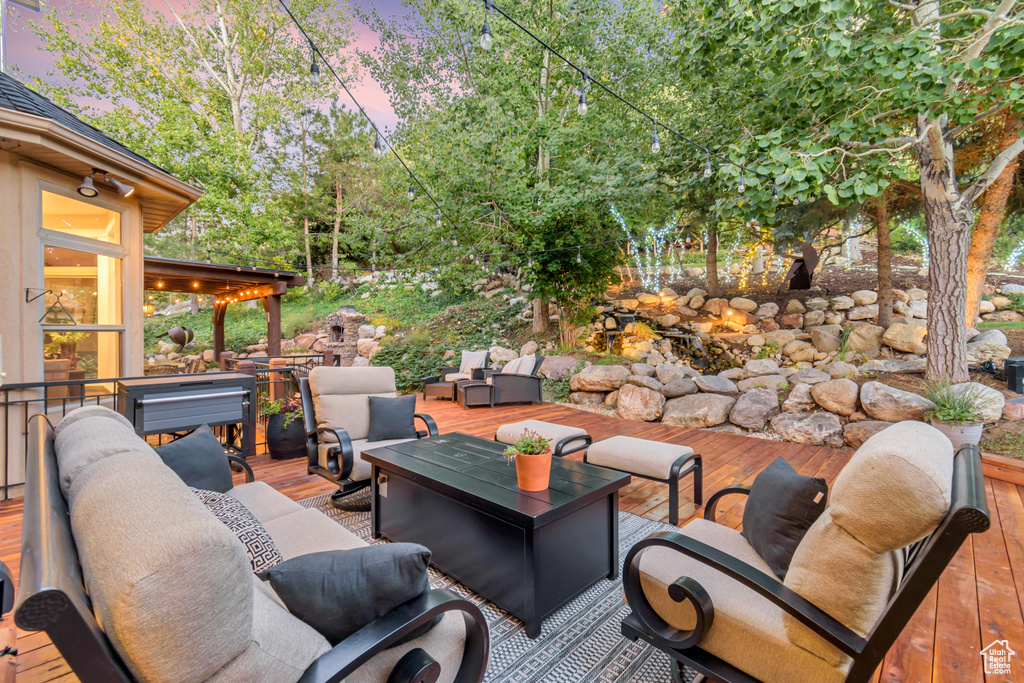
(262,551)
(782,506)
(337,592)
(199,460)
(392,418)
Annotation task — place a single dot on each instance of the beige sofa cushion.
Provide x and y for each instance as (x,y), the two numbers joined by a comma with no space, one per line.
(456,376)
(549,430)
(264,502)
(640,456)
(445,643)
(361,469)
(748,631)
(89,440)
(341,397)
(309,531)
(90,411)
(470,361)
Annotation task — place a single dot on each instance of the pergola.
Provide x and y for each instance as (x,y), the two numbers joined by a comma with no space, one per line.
(226,284)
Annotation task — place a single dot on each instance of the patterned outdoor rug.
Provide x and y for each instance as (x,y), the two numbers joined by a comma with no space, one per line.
(579,643)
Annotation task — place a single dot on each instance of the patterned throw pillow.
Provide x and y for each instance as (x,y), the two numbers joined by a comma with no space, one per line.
(263,554)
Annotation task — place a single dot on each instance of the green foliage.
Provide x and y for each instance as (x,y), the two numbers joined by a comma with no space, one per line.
(560,390)
(767,350)
(844,343)
(291,408)
(529,443)
(954,407)
(412,358)
(642,331)
(1017,302)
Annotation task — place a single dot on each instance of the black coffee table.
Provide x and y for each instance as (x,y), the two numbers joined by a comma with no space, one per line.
(529,553)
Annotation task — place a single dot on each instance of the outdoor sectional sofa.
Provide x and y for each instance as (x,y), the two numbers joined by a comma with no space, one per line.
(133,578)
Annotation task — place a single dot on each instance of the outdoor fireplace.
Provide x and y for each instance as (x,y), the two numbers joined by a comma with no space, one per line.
(344,334)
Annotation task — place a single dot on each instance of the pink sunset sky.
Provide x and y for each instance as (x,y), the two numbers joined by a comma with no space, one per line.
(28,59)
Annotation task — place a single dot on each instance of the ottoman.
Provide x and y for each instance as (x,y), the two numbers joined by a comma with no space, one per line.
(664,462)
(564,439)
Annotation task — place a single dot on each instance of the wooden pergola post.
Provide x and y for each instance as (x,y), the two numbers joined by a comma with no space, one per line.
(272,304)
(219,309)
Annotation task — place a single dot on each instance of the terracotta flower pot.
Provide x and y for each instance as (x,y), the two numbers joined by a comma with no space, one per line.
(533,471)
(960,434)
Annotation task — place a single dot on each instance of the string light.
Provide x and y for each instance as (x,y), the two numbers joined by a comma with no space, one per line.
(655,142)
(743,184)
(314,72)
(582,108)
(411,194)
(708,171)
(775,193)
(1014,257)
(439,221)
(579,255)
(378,149)
(485,31)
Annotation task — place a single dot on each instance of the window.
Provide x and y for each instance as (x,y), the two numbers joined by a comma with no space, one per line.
(83,270)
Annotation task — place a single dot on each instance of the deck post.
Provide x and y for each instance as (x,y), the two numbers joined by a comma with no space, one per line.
(272,304)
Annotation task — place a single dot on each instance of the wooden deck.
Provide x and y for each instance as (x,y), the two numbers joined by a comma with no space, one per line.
(978,599)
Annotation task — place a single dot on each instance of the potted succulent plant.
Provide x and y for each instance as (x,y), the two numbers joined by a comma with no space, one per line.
(532,455)
(286,432)
(956,413)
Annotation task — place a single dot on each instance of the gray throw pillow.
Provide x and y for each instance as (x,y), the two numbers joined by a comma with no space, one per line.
(199,460)
(781,507)
(392,418)
(262,551)
(337,592)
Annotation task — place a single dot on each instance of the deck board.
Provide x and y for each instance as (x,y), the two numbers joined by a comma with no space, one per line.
(977,600)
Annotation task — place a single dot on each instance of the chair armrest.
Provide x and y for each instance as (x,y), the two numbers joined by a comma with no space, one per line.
(242,466)
(685,588)
(338,470)
(429,422)
(481,373)
(562,448)
(709,509)
(431,380)
(347,656)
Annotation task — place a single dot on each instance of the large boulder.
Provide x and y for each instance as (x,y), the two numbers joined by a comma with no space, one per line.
(586,398)
(919,308)
(883,402)
(500,354)
(669,373)
(863,312)
(557,368)
(775,382)
(642,369)
(990,401)
(799,400)
(866,339)
(366,331)
(840,368)
(767,310)
(698,410)
(644,381)
(814,318)
(684,386)
(809,376)
(794,306)
(712,384)
(915,294)
(815,429)
(905,338)
(753,409)
(793,321)
(760,366)
(741,304)
(529,348)
(639,403)
(856,433)
(648,300)
(990,335)
(599,378)
(1012,288)
(798,351)
(816,304)
(1003,317)
(836,396)
(842,303)
(779,338)
(987,349)
(824,341)
(367,347)
(715,306)
(864,297)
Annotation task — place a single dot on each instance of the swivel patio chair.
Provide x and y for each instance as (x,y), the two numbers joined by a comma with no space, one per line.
(336,412)
(898,513)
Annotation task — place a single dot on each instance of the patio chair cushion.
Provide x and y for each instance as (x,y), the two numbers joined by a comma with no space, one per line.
(471,360)
(748,631)
(639,456)
(894,490)
(337,592)
(360,468)
(456,376)
(445,643)
(90,440)
(171,586)
(341,397)
(90,411)
(264,502)
(549,430)
(199,460)
(309,531)
(780,509)
(392,418)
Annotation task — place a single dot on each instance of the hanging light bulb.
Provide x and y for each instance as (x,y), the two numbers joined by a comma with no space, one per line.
(529,261)
(743,184)
(582,108)
(378,148)
(708,171)
(579,256)
(314,72)
(796,201)
(455,240)
(775,193)
(655,142)
(485,36)
(412,192)
(440,218)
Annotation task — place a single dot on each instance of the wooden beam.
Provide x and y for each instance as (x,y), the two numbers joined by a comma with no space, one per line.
(254,292)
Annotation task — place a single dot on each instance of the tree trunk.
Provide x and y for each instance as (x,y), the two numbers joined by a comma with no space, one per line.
(948,225)
(711,266)
(987,227)
(337,229)
(309,252)
(193,301)
(540,315)
(884,265)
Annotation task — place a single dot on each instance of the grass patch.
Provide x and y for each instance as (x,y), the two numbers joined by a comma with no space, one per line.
(989,325)
(1010,445)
